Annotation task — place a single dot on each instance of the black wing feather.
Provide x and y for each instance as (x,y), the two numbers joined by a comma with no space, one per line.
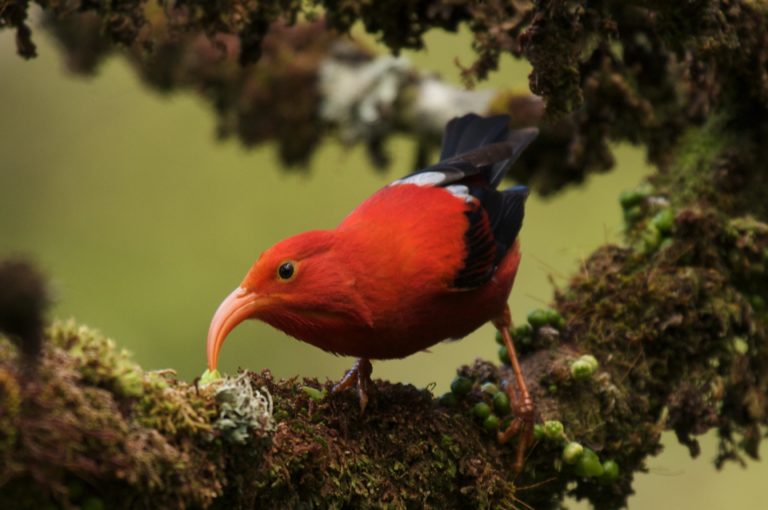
(479,262)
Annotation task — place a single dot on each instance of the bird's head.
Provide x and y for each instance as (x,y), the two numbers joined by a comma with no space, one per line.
(288,280)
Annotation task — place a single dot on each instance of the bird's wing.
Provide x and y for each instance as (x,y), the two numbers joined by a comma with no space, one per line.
(476,154)
(495,219)
(480,256)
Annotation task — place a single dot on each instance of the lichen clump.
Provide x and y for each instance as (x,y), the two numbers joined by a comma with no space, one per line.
(243,409)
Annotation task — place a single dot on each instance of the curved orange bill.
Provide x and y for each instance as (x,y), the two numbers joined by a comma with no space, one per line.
(237,307)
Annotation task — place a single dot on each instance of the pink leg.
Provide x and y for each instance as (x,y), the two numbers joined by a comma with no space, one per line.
(519,397)
(359,375)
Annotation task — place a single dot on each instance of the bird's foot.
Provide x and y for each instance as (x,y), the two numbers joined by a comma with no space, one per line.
(519,397)
(359,375)
(522,427)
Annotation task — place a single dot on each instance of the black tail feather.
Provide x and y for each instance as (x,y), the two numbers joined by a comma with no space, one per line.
(486,144)
(463,134)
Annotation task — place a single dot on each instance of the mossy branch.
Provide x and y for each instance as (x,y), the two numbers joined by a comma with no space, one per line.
(607,71)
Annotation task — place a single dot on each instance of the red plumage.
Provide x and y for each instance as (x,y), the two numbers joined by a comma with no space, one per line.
(379,286)
(430,257)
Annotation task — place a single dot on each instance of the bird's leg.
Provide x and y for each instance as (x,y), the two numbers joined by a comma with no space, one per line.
(522,403)
(360,375)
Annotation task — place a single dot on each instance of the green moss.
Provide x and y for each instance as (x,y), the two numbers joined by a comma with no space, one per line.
(698,149)
(82,417)
(101,362)
(711,165)
(173,407)
(404,452)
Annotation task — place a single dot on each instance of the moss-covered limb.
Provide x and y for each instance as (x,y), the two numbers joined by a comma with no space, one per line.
(676,321)
(310,84)
(400,24)
(91,426)
(641,72)
(678,330)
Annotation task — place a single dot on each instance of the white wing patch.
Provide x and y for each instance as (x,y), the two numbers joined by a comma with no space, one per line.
(461,191)
(422,179)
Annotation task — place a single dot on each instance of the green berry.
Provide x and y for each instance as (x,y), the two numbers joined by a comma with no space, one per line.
(666,243)
(448,400)
(610,471)
(499,338)
(581,370)
(481,410)
(501,403)
(664,221)
(589,464)
(504,355)
(461,386)
(631,198)
(538,431)
(209,376)
(313,393)
(489,388)
(538,318)
(491,423)
(633,214)
(554,430)
(571,452)
(591,360)
(554,318)
(740,345)
(584,367)
(651,238)
(758,303)
(552,388)
(523,331)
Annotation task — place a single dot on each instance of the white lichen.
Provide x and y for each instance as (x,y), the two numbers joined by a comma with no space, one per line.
(359,95)
(243,409)
(365,97)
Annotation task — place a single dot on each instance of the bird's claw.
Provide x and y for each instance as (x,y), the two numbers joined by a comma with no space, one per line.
(522,427)
(359,375)
(519,397)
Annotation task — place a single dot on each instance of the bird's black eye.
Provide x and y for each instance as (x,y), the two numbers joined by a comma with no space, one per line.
(285,271)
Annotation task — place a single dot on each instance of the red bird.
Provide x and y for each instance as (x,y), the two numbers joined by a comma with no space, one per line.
(430,257)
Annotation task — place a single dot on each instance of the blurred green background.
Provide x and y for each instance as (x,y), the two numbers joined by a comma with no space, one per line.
(144,223)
